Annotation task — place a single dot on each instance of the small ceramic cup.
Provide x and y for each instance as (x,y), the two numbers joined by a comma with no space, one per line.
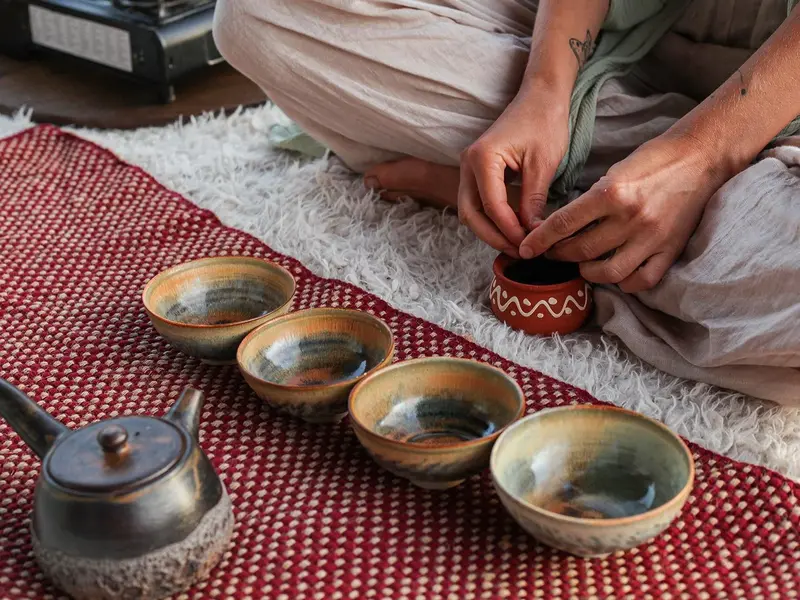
(205,307)
(434,420)
(539,296)
(591,480)
(306,363)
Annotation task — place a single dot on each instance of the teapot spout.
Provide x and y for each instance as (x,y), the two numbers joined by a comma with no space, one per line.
(186,411)
(36,428)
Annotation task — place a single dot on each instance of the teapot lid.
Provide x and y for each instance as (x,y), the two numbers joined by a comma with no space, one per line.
(116,455)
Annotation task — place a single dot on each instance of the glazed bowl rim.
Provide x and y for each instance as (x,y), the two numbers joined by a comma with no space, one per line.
(355,421)
(154,281)
(306,312)
(679,498)
(502,261)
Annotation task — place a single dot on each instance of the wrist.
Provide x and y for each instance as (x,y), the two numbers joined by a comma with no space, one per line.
(551,94)
(556,81)
(730,126)
(720,157)
(706,154)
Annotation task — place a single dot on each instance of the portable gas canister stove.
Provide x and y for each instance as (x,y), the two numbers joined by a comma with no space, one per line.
(154,42)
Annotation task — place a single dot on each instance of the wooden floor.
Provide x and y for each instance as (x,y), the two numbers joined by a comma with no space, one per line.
(65,93)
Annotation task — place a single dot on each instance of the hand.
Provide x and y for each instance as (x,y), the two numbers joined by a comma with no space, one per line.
(530,137)
(643,211)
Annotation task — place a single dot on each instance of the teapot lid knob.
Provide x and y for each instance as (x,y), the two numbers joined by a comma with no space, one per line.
(113,439)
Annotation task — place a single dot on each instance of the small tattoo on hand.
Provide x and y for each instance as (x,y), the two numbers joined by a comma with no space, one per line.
(582,49)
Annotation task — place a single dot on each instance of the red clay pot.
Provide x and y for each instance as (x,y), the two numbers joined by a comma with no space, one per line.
(541,309)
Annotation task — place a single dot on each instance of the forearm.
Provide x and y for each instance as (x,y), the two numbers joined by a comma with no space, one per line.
(753,105)
(563,38)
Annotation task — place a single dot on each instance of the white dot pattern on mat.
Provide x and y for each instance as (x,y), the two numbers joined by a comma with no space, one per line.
(80,234)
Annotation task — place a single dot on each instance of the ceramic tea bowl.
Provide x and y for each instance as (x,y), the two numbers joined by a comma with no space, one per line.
(434,420)
(539,296)
(592,480)
(206,307)
(306,363)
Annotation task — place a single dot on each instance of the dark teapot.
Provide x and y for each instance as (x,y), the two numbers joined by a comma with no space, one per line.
(128,508)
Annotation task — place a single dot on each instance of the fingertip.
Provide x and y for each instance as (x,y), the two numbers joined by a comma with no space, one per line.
(526,252)
(517,238)
(532,224)
(508,225)
(588,269)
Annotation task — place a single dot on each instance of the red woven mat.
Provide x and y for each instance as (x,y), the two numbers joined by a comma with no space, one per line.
(80,234)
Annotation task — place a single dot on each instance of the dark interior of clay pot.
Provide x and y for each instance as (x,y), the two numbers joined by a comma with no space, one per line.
(541,271)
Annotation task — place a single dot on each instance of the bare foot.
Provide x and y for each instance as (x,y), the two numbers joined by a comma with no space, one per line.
(425,182)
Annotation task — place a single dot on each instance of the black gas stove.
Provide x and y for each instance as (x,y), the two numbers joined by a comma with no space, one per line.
(152,41)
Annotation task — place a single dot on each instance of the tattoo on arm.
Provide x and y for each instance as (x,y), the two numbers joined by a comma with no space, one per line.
(743,88)
(582,49)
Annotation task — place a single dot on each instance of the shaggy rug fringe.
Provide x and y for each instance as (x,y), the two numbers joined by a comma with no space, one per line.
(422,261)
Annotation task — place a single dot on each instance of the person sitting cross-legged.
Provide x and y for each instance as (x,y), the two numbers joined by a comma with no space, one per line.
(664,130)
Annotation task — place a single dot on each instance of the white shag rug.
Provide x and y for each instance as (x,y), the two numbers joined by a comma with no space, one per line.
(423,262)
